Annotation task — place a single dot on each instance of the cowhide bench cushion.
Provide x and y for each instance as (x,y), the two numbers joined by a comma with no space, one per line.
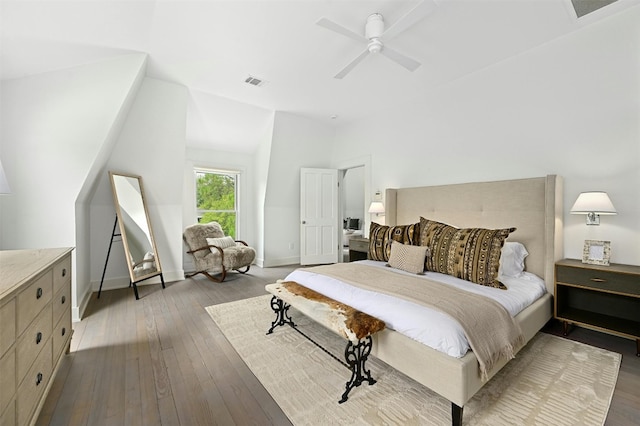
(337,317)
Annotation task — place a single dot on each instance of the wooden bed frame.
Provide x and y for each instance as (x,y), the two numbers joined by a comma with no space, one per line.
(534,207)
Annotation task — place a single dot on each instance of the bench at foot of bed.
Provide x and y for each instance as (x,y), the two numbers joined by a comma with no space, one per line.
(355,326)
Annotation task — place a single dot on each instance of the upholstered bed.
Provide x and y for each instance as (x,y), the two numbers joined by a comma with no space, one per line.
(532,206)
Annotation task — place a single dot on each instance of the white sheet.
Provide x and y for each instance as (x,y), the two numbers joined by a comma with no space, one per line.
(427,326)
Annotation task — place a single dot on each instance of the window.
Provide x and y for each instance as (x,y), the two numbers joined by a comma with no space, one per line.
(217,198)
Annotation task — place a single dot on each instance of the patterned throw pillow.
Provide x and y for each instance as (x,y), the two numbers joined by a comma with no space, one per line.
(471,254)
(380,238)
(407,258)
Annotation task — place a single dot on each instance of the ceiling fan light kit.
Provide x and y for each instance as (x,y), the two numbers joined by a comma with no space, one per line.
(375,33)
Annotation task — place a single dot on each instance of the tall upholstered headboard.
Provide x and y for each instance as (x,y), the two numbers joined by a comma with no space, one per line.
(533,206)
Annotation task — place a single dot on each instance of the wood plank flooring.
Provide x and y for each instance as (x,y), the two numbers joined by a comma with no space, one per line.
(161,360)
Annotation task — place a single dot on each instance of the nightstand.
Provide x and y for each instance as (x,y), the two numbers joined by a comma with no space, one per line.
(358,249)
(602,297)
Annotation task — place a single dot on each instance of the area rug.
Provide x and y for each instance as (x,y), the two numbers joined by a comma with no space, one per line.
(551,381)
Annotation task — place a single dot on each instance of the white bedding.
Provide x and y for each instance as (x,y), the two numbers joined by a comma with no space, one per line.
(427,326)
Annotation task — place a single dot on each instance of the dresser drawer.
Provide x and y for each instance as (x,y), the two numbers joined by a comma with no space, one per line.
(8,418)
(8,327)
(32,341)
(61,303)
(62,333)
(8,382)
(33,299)
(61,274)
(599,279)
(33,386)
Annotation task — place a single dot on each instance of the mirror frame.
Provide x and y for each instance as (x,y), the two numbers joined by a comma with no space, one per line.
(123,232)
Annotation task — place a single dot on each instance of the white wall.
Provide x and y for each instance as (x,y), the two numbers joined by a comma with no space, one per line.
(569,107)
(297,142)
(56,130)
(151,145)
(261,176)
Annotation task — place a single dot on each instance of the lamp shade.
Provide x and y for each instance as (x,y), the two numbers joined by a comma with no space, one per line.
(4,184)
(376,207)
(593,202)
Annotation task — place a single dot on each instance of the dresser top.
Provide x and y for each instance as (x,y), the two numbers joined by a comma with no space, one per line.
(20,266)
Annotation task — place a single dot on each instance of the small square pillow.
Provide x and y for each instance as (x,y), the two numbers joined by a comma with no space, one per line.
(407,258)
(471,254)
(512,259)
(223,243)
(380,238)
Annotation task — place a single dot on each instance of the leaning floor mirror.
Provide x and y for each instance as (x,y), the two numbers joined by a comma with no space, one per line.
(135,228)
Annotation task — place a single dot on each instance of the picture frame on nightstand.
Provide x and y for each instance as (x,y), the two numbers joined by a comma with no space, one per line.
(596,252)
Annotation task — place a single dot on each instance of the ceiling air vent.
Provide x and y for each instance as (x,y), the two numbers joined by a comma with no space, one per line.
(254,81)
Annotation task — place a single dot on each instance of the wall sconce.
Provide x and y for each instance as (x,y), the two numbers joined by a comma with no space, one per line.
(4,184)
(376,207)
(593,204)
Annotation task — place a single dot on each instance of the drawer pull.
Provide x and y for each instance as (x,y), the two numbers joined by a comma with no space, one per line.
(598,280)
(38,338)
(39,293)
(38,379)
(64,331)
(64,272)
(64,299)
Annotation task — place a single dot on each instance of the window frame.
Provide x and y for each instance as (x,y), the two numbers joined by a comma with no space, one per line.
(236,175)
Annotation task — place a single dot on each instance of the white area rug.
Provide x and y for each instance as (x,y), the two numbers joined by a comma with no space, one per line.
(552,381)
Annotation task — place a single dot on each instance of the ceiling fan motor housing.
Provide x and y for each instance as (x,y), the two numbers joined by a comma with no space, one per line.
(374,27)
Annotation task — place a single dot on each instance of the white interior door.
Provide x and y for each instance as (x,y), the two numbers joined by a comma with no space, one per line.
(318,216)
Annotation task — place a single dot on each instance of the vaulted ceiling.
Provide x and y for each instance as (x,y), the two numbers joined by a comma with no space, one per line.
(211,47)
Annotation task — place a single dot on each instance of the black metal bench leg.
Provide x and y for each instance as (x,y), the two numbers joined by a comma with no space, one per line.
(282,314)
(456,415)
(356,357)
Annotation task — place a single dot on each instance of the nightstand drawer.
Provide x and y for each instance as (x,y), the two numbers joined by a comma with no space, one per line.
(599,279)
(359,244)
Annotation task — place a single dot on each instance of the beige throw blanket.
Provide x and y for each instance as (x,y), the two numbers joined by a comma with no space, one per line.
(491,331)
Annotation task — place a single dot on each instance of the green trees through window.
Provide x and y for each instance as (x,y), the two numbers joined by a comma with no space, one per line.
(216,199)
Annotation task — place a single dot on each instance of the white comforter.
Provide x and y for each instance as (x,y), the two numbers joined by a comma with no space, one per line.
(427,326)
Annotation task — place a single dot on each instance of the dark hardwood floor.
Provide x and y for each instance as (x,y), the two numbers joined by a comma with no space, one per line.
(162,360)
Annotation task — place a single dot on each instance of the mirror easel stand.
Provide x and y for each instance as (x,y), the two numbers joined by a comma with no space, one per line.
(104,271)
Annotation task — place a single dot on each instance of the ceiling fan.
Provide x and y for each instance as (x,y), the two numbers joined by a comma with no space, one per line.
(376,36)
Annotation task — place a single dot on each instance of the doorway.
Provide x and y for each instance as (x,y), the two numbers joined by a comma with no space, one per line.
(352,206)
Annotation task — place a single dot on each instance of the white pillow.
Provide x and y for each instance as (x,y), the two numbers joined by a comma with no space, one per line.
(223,243)
(512,259)
(407,257)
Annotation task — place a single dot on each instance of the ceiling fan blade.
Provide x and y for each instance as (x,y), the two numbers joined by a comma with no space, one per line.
(330,25)
(401,59)
(416,14)
(346,70)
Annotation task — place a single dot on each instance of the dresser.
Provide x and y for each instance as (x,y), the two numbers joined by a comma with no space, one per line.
(35,328)
(602,297)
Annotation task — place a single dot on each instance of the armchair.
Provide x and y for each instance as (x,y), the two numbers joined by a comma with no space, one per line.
(214,254)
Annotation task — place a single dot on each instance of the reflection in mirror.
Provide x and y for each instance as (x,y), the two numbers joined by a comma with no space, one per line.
(135,228)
